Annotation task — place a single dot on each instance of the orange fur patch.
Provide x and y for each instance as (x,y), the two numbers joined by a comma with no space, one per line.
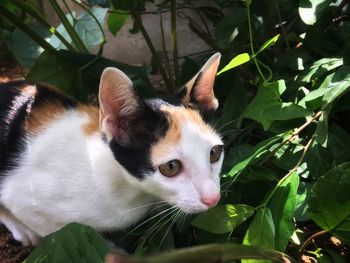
(41,116)
(93,125)
(176,116)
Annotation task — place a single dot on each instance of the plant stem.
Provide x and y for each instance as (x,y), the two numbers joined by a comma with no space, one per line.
(310,238)
(70,30)
(167,61)
(280,182)
(251,45)
(149,43)
(34,13)
(284,33)
(174,38)
(293,136)
(26,29)
(205,254)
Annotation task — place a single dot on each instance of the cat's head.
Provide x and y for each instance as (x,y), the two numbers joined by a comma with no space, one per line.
(166,144)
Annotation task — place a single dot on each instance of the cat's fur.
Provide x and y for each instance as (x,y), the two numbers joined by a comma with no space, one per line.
(63,162)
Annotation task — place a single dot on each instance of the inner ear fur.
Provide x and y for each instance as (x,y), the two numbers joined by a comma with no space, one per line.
(123,114)
(199,91)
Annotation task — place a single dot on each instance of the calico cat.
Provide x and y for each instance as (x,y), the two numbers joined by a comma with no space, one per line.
(62,162)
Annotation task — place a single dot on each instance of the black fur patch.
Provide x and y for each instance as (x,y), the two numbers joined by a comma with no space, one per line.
(147,128)
(14,110)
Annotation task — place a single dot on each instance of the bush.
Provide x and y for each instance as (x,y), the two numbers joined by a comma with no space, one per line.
(283,91)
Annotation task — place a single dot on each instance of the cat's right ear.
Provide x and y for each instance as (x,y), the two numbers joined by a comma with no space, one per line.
(119,104)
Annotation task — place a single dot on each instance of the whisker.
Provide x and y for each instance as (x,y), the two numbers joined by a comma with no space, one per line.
(142,206)
(149,219)
(156,226)
(169,228)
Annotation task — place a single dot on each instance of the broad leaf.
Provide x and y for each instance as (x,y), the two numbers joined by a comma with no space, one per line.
(267,96)
(257,152)
(73,243)
(329,203)
(282,206)
(52,69)
(223,219)
(261,232)
(286,111)
(320,68)
(322,129)
(339,85)
(23,47)
(235,62)
(116,20)
(87,28)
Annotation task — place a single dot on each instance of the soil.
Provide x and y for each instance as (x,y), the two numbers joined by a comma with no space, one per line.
(11,251)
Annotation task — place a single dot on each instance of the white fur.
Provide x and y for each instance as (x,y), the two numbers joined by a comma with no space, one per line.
(66,176)
(199,177)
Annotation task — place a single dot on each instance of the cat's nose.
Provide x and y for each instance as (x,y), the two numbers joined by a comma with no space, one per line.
(211,201)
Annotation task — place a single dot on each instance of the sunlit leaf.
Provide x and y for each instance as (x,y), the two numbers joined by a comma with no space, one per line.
(261,232)
(223,218)
(282,206)
(268,43)
(235,62)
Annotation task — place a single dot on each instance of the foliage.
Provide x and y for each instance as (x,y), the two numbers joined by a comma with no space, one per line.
(283,90)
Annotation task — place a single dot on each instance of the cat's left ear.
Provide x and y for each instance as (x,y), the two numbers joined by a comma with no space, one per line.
(199,91)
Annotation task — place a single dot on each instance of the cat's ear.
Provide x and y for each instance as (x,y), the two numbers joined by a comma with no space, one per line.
(119,104)
(199,91)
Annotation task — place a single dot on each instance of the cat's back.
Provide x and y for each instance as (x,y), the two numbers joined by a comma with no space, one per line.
(25,108)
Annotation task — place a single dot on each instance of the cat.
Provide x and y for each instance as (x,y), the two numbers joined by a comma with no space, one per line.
(62,161)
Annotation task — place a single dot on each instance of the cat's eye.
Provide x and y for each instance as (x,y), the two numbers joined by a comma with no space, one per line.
(170,168)
(215,153)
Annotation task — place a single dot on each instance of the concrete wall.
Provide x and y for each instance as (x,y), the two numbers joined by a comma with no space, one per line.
(132,49)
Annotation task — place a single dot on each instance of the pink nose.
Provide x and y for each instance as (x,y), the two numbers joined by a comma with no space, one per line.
(210,200)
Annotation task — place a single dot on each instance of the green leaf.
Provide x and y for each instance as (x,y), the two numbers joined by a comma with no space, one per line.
(235,62)
(329,202)
(85,26)
(23,47)
(267,96)
(261,232)
(339,85)
(223,218)
(282,205)
(52,69)
(301,207)
(313,100)
(74,243)
(257,152)
(322,129)
(310,10)
(321,67)
(286,111)
(116,20)
(268,43)
(267,106)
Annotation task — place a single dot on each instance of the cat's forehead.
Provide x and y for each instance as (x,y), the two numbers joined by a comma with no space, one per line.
(186,129)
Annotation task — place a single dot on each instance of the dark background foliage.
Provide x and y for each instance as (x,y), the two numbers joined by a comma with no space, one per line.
(284,112)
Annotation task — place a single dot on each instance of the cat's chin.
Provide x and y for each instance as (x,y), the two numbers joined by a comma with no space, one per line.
(193,210)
